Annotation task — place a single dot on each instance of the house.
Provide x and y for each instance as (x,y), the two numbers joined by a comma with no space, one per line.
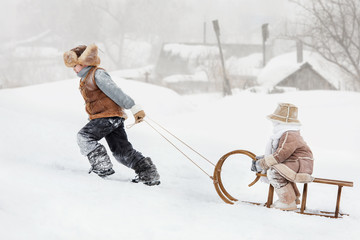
(185,84)
(183,65)
(32,61)
(313,73)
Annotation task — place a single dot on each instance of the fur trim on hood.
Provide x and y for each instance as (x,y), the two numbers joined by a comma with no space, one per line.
(88,58)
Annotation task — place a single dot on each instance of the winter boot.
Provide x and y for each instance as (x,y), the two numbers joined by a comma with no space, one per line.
(286,199)
(284,206)
(100,162)
(146,172)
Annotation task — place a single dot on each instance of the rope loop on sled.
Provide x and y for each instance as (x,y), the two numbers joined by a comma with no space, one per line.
(219,186)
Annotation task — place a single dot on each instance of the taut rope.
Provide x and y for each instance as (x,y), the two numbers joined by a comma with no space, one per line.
(182,142)
(162,135)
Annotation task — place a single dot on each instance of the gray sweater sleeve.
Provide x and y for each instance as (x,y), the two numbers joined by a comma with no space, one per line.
(109,87)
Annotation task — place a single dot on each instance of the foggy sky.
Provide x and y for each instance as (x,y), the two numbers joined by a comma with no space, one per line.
(237,18)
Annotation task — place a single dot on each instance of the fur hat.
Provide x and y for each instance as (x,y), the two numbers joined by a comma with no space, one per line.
(84,55)
(285,113)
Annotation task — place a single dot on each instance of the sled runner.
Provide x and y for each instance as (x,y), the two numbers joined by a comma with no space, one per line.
(226,197)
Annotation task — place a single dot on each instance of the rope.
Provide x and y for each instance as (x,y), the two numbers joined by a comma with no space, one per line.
(130,125)
(176,146)
(183,142)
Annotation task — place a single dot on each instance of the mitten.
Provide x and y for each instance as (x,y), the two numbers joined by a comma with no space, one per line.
(138,113)
(139,116)
(255,166)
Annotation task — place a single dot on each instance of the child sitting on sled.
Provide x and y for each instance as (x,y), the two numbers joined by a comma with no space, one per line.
(288,159)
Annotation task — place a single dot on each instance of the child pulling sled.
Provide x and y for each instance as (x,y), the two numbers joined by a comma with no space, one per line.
(288,159)
(105,103)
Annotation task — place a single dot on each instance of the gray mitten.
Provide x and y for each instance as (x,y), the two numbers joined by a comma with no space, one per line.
(255,166)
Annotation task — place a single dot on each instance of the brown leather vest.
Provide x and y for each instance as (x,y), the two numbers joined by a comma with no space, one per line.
(97,104)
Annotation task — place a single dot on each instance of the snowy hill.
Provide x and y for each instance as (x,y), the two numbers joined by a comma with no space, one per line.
(46,192)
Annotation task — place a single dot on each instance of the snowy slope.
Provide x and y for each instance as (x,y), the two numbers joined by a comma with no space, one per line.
(46,192)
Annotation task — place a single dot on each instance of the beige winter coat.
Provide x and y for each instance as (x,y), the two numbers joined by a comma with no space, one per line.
(293,158)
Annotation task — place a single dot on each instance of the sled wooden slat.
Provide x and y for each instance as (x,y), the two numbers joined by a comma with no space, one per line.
(270,196)
(334,182)
(303,200)
(338,202)
(323,214)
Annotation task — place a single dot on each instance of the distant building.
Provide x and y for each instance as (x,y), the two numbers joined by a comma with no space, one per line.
(192,67)
(313,73)
(306,78)
(32,61)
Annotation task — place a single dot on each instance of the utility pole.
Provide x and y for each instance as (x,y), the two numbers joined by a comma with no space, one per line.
(299,51)
(265,36)
(226,83)
(147,77)
(204,33)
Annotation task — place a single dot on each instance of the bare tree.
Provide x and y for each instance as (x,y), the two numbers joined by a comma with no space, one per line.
(332,29)
(212,68)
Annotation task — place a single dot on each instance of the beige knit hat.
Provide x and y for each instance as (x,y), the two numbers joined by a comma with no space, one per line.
(84,55)
(285,113)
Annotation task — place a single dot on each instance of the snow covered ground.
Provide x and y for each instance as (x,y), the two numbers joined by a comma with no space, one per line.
(46,192)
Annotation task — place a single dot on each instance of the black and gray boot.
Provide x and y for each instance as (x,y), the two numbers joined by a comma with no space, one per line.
(100,162)
(146,172)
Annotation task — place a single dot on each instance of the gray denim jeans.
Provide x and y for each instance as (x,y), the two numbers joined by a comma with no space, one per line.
(113,130)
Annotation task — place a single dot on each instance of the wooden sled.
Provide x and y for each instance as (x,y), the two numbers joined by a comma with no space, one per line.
(226,197)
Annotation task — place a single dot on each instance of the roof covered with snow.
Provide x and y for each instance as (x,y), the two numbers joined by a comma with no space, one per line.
(199,76)
(188,58)
(188,51)
(39,52)
(248,66)
(284,65)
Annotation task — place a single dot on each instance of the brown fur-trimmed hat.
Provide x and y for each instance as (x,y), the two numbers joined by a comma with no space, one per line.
(285,113)
(84,55)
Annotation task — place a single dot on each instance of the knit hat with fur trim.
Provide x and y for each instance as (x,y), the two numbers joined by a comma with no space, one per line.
(84,55)
(285,113)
